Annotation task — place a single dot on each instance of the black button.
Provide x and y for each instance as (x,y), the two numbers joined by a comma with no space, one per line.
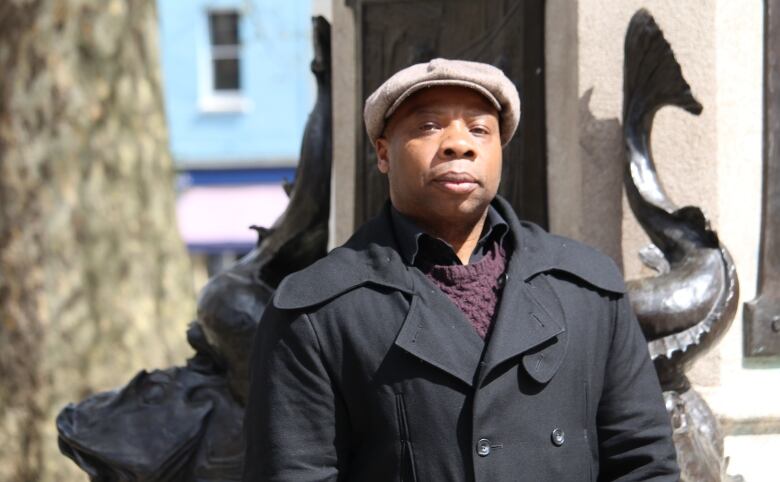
(483,447)
(502,279)
(558,437)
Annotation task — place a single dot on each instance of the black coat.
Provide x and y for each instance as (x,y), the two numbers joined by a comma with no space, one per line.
(363,371)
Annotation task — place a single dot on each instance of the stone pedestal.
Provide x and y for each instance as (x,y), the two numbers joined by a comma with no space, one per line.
(713,161)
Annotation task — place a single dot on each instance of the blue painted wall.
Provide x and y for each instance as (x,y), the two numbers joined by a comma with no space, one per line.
(277,85)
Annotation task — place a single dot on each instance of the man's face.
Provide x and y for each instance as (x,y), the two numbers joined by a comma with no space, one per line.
(441,151)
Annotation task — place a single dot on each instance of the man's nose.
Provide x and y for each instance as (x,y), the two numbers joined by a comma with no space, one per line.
(457,143)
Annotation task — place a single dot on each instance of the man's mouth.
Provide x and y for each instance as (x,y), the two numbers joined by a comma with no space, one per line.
(456,182)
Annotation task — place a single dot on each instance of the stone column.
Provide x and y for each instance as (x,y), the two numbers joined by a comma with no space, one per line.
(346,124)
(712,161)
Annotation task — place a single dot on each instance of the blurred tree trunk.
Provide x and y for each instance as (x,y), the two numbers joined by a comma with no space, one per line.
(94,280)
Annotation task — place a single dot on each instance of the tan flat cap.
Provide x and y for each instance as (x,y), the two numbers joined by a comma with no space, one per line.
(484,78)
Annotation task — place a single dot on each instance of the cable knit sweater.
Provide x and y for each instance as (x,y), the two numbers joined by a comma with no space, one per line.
(474,288)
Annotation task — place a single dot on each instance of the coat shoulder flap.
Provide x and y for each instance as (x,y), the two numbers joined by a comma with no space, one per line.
(368,257)
(324,280)
(342,270)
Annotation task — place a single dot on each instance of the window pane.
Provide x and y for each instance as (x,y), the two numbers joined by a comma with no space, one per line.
(226,74)
(223,27)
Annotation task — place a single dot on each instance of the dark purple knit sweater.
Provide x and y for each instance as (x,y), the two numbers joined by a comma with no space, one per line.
(474,288)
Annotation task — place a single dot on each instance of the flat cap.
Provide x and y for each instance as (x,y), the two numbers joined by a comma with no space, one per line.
(484,78)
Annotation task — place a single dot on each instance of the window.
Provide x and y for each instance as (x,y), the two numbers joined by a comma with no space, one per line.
(223,73)
(225,51)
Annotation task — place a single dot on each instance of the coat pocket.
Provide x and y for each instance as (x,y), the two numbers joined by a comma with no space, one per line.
(407,470)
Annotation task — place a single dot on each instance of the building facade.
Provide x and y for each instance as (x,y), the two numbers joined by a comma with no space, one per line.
(238,90)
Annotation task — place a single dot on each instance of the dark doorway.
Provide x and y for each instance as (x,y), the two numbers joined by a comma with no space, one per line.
(509,34)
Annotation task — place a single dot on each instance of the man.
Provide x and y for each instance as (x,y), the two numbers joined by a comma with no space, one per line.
(446,340)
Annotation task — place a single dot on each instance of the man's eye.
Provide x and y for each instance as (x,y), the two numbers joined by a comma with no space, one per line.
(428,126)
(480,130)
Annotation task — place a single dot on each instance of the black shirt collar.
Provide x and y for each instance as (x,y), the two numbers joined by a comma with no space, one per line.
(418,247)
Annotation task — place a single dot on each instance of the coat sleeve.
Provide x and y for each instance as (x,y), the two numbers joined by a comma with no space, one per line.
(294,417)
(634,430)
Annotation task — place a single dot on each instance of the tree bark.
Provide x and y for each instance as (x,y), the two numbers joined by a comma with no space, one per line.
(95,283)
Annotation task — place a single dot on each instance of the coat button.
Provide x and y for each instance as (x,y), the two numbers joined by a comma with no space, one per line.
(502,279)
(483,447)
(558,437)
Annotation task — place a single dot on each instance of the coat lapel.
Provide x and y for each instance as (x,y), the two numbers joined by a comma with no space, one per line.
(543,359)
(436,332)
(530,320)
(529,323)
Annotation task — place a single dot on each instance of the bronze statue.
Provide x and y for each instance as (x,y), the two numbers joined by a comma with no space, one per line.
(683,311)
(185,423)
(231,303)
(687,307)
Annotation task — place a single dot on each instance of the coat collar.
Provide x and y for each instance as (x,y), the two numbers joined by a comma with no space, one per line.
(371,256)
(530,322)
(411,239)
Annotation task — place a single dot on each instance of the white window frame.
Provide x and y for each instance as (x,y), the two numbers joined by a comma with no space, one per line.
(210,99)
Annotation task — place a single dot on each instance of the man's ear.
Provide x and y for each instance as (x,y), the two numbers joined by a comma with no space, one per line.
(382,162)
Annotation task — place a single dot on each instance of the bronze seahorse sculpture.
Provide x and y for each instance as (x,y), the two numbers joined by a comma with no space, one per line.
(184,424)
(231,303)
(689,305)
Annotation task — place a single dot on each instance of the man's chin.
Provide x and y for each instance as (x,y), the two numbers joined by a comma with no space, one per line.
(463,209)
